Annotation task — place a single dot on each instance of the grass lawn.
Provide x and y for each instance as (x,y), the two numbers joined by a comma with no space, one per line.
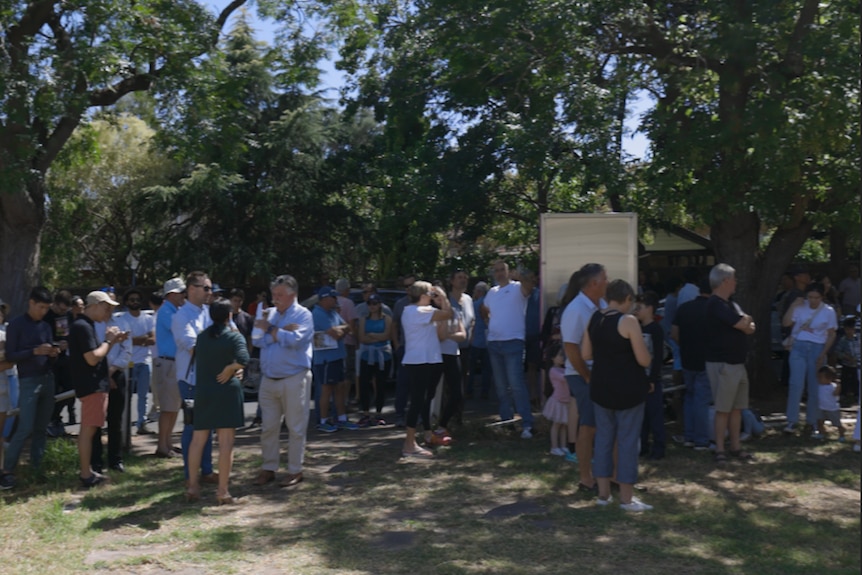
(491,503)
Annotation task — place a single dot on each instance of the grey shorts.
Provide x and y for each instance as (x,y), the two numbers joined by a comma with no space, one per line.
(729,384)
(164,384)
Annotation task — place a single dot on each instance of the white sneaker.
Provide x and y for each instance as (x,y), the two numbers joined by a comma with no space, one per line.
(816,435)
(558,451)
(636,505)
(603,502)
(791,428)
(744,436)
(527,433)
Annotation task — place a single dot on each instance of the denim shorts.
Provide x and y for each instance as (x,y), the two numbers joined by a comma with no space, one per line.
(580,390)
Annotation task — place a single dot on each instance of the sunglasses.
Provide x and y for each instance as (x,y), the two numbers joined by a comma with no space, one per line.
(203,287)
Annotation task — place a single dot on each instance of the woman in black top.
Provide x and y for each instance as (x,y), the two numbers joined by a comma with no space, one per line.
(618,388)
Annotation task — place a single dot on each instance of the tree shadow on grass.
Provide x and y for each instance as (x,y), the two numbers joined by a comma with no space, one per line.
(495,504)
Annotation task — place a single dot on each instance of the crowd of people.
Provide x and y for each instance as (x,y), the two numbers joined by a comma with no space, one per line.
(593,368)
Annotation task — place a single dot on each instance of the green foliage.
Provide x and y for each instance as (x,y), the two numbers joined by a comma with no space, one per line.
(96,198)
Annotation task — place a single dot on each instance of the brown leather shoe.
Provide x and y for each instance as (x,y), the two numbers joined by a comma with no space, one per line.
(211,478)
(264,477)
(291,479)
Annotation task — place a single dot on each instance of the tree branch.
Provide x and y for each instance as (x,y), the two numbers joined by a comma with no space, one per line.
(36,15)
(106,96)
(792,65)
(226,13)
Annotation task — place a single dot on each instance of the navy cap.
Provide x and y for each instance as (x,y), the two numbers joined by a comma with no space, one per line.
(327,291)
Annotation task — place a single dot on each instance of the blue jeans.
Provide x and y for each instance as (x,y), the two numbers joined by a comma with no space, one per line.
(622,426)
(803,370)
(695,407)
(674,346)
(13,402)
(36,404)
(751,424)
(507,361)
(654,423)
(141,374)
(188,392)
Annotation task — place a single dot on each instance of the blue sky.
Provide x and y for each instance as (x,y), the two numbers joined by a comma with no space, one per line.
(635,145)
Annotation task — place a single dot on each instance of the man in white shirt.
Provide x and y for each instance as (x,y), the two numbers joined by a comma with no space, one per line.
(576,317)
(143,335)
(504,309)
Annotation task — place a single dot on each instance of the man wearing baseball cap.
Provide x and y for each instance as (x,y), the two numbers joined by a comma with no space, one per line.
(164,381)
(89,366)
(328,361)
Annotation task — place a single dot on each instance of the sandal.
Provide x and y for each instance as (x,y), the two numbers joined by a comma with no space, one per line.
(720,457)
(418,453)
(742,455)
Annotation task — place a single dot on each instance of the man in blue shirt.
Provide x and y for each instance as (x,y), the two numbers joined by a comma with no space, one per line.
(29,345)
(285,362)
(164,382)
(328,364)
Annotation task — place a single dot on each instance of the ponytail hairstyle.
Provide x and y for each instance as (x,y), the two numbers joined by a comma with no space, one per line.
(220,311)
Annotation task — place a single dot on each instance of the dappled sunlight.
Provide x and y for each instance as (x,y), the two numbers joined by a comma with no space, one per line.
(491,503)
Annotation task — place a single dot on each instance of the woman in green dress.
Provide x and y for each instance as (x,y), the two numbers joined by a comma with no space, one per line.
(219,354)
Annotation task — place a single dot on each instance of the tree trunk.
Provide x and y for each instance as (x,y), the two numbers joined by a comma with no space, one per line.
(838,255)
(21,223)
(737,242)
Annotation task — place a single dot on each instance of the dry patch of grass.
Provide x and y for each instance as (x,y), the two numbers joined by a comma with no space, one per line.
(490,504)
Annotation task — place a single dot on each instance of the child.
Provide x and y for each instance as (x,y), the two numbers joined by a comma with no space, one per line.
(654,410)
(558,406)
(828,392)
(845,353)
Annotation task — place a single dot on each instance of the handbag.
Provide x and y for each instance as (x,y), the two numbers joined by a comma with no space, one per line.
(787,342)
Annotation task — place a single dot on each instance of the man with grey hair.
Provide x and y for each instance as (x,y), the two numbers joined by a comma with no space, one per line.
(728,327)
(285,388)
(592,282)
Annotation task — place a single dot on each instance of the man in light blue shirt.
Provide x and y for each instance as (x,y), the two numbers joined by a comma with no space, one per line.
(285,342)
(164,381)
(189,321)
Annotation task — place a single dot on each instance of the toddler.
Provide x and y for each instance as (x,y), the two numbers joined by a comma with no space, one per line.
(558,406)
(828,392)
